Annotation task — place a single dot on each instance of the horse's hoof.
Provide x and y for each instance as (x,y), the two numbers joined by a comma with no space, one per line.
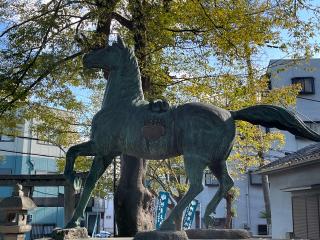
(168,226)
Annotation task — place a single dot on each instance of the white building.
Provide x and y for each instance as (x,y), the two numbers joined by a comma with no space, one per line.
(251,203)
(295,194)
(284,182)
(248,206)
(306,72)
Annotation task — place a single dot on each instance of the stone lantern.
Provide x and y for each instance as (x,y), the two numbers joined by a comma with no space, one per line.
(13,215)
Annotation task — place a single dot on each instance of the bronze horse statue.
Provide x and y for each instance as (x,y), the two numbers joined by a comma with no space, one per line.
(128,124)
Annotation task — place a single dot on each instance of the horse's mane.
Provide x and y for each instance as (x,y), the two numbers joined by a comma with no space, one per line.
(131,60)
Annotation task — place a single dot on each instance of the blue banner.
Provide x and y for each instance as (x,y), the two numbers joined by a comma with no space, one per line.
(162,206)
(189,214)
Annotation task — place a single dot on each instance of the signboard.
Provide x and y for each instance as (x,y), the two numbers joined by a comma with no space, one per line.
(189,214)
(162,206)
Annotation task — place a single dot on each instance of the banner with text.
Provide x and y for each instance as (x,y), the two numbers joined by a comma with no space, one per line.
(189,214)
(162,206)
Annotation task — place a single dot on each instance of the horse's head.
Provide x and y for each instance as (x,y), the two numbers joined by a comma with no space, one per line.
(105,58)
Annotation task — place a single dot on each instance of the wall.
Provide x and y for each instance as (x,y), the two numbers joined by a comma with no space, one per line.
(282,71)
(248,205)
(281,206)
(108,214)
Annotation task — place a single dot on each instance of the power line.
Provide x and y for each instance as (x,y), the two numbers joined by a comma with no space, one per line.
(34,154)
(32,138)
(309,99)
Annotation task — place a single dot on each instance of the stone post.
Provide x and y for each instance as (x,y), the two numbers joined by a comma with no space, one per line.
(13,215)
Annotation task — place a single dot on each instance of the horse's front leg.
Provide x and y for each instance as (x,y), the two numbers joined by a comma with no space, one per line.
(99,165)
(82,149)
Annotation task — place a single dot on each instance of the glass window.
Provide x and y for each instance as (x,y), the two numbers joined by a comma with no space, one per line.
(5,138)
(255,179)
(210,180)
(47,138)
(307,84)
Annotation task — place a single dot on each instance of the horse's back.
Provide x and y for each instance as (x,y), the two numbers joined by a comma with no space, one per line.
(190,112)
(202,128)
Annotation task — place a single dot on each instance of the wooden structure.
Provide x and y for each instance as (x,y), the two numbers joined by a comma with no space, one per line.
(30,181)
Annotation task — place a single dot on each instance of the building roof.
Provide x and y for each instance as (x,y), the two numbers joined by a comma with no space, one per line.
(305,156)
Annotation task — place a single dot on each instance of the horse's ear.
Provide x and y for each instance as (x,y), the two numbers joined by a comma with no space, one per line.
(120,42)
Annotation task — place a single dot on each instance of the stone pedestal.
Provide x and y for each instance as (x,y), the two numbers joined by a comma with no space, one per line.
(161,235)
(218,234)
(69,233)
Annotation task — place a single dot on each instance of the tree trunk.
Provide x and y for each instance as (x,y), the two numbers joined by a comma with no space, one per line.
(266,196)
(266,192)
(229,199)
(178,222)
(134,203)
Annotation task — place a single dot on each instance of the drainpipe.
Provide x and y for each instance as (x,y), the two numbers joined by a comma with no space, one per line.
(248,202)
(29,161)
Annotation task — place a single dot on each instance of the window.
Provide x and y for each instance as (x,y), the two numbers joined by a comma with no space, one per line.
(5,138)
(307,84)
(47,138)
(255,179)
(262,229)
(210,180)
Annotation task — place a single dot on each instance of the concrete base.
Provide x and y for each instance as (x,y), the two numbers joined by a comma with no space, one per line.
(218,234)
(161,235)
(69,233)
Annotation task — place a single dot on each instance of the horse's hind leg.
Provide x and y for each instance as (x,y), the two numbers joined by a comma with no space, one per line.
(82,149)
(220,171)
(99,165)
(194,167)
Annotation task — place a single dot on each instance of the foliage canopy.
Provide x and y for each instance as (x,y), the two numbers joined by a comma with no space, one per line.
(195,50)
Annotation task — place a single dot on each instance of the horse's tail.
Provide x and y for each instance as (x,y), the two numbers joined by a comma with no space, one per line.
(276,117)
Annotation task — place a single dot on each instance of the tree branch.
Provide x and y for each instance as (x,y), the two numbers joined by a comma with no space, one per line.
(122,20)
(192,30)
(36,82)
(42,46)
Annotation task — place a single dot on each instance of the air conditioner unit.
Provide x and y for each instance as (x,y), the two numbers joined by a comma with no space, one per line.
(262,229)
